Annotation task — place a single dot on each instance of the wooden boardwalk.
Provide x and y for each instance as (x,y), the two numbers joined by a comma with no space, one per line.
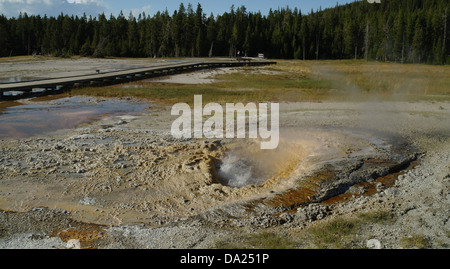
(116,77)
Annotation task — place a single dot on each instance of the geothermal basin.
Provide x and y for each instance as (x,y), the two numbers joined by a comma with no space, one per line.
(119,171)
(118,178)
(127,176)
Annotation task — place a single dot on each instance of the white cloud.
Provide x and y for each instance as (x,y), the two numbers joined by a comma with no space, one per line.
(12,8)
(137,11)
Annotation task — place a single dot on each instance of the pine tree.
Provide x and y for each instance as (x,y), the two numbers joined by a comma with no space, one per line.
(399,30)
(211,34)
(4,36)
(86,49)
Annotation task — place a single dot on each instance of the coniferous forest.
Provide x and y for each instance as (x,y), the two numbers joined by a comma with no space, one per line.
(410,31)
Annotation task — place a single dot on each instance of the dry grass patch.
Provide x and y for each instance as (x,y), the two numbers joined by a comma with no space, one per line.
(262,240)
(415,241)
(298,81)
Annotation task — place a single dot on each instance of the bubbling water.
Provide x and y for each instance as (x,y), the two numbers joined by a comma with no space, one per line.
(236,172)
(247,164)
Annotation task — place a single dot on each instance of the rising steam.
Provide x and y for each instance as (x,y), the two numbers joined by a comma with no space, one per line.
(247,164)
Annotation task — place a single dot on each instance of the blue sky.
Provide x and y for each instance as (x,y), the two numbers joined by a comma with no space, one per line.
(11,8)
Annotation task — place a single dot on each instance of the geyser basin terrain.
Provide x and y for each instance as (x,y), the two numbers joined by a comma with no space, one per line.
(129,170)
(158,192)
(311,165)
(101,175)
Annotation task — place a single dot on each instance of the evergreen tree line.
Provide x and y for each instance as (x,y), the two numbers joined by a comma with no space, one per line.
(415,31)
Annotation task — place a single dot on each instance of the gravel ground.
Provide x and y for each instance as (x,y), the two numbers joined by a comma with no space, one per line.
(125,182)
(32,68)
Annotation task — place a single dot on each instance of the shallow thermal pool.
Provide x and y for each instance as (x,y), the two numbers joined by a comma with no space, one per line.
(31,118)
